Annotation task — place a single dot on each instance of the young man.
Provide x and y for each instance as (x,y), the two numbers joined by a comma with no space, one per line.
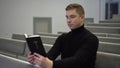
(77,48)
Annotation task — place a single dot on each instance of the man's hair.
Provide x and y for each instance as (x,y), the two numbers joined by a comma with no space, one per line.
(79,9)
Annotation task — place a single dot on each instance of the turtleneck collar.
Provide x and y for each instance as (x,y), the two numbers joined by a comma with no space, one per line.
(78,29)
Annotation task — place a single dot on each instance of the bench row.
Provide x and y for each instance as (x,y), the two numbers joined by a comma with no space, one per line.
(19,47)
(50,38)
(112,43)
(103,24)
(107,35)
(109,21)
(97,34)
(104,59)
(15,48)
(103,29)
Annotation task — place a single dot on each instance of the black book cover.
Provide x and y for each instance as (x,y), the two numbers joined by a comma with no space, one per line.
(35,45)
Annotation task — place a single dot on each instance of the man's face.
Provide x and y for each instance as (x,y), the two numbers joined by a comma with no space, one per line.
(74,20)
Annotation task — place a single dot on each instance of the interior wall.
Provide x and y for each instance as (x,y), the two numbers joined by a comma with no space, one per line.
(102,9)
(16,16)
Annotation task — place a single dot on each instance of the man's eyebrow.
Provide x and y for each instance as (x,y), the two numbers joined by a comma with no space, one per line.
(72,15)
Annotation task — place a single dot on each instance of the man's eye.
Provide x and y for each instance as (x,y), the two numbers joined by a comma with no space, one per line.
(73,16)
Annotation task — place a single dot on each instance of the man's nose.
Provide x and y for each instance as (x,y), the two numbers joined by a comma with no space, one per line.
(68,20)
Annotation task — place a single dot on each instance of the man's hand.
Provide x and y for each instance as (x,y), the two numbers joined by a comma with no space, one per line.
(40,60)
(31,58)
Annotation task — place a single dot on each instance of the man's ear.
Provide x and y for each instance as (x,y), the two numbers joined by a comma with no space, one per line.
(82,17)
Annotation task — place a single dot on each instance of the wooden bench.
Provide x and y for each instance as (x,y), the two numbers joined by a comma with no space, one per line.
(109,39)
(113,30)
(104,24)
(109,47)
(12,47)
(107,60)
(107,35)
(109,21)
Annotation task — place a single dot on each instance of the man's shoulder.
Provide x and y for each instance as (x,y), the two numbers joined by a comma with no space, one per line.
(63,34)
(89,34)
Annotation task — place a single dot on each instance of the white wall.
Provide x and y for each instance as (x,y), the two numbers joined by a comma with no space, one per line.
(102,9)
(16,16)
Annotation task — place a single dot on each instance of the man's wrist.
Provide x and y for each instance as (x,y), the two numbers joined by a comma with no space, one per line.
(50,63)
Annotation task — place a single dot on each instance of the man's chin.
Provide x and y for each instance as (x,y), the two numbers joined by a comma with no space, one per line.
(72,28)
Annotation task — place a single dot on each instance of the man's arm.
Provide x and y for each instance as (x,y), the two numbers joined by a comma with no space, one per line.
(84,55)
(55,50)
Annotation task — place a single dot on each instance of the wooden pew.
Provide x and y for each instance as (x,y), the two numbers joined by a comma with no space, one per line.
(103,24)
(107,35)
(48,39)
(109,39)
(18,36)
(12,47)
(113,30)
(109,47)
(10,62)
(107,60)
(109,21)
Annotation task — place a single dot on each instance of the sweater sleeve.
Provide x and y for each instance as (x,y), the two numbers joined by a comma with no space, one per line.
(55,50)
(85,55)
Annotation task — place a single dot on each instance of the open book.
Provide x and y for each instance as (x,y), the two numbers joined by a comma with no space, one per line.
(35,44)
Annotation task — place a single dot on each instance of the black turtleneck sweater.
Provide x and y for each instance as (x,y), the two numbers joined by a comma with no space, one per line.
(77,48)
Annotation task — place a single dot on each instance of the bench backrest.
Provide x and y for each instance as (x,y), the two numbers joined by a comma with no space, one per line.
(114,30)
(48,39)
(109,47)
(107,60)
(18,36)
(12,46)
(109,39)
